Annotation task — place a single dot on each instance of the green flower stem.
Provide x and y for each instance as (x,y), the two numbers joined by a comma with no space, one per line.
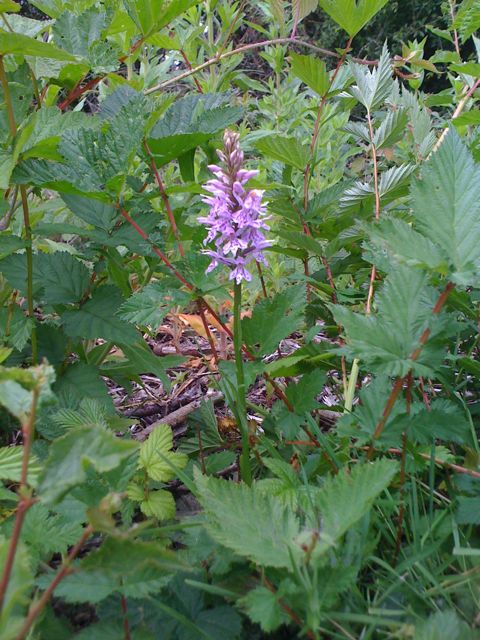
(26,215)
(245,468)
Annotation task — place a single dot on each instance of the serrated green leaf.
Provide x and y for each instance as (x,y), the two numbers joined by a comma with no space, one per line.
(392,129)
(94,212)
(387,340)
(65,279)
(97,319)
(159,504)
(374,86)
(79,381)
(263,607)
(11,465)
(190,122)
(446,208)
(71,454)
(312,71)
(150,306)
(407,245)
(76,33)
(287,150)
(273,320)
(156,455)
(352,15)
(259,527)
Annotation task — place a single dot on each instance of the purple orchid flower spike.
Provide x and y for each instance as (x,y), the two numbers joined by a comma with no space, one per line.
(236,220)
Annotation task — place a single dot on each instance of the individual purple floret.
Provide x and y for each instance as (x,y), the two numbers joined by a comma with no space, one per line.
(236,220)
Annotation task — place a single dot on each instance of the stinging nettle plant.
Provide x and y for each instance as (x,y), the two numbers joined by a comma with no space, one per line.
(243,406)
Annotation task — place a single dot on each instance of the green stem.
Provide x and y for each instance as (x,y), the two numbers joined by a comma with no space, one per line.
(245,468)
(26,214)
(352,383)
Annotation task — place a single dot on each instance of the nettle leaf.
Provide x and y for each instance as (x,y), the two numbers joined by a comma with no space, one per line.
(259,527)
(352,15)
(81,380)
(374,86)
(312,71)
(97,319)
(191,122)
(386,341)
(157,457)
(64,278)
(447,209)
(75,33)
(72,454)
(273,320)
(264,607)
(265,529)
(287,150)
(94,212)
(149,306)
(47,532)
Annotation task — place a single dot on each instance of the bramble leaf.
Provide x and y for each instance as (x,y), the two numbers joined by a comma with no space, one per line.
(156,454)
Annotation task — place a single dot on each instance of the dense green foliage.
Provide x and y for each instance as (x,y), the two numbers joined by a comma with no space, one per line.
(336,494)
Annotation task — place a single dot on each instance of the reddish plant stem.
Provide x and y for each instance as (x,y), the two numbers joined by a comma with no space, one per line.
(231,28)
(288,610)
(126,624)
(400,381)
(165,199)
(189,66)
(25,501)
(37,608)
(277,389)
(249,47)
(398,452)
(78,91)
(377,206)
(262,280)
(210,339)
(403,475)
(316,129)
(159,253)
